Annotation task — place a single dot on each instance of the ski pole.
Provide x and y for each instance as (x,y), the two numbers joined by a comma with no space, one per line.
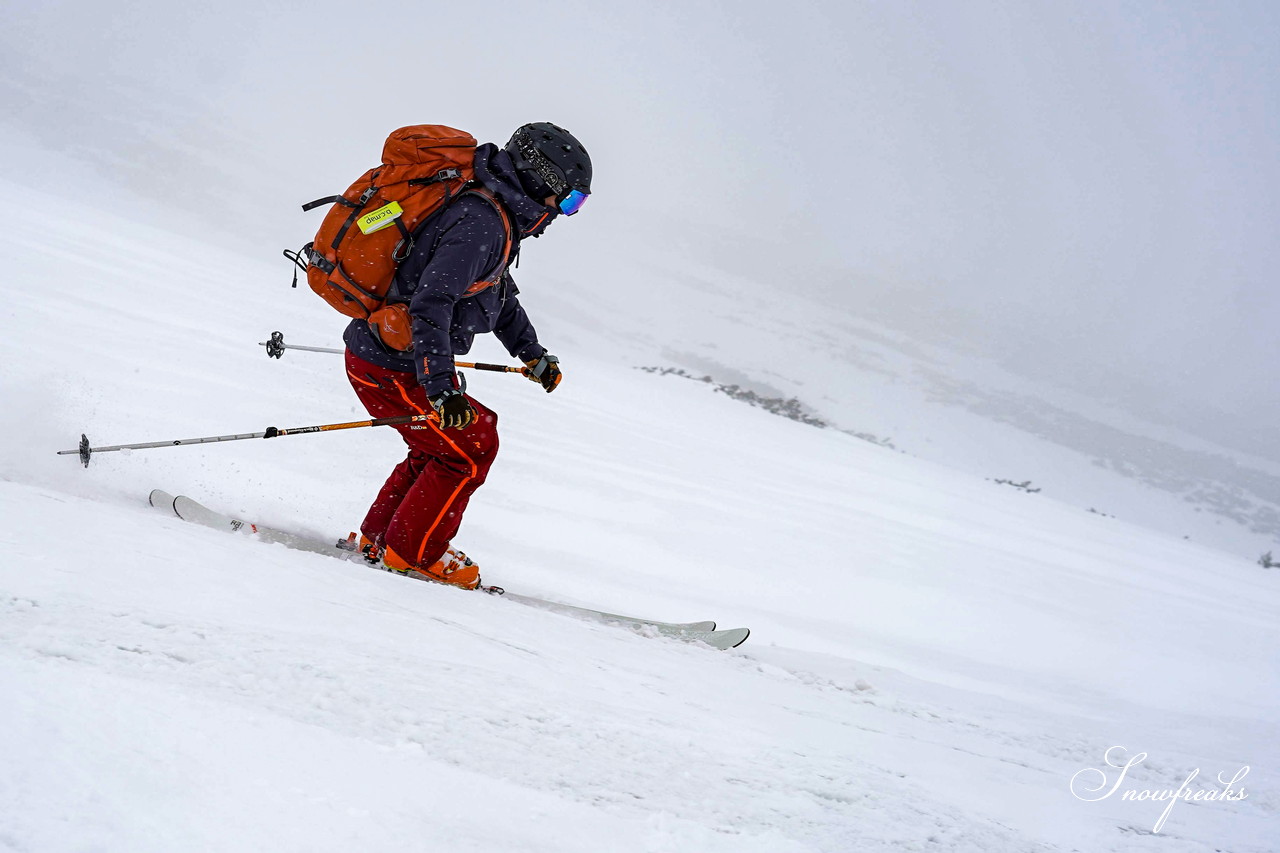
(85,451)
(276,347)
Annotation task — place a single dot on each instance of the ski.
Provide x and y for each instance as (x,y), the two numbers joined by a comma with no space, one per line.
(190,510)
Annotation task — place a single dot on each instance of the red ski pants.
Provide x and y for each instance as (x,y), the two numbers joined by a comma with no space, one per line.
(421,504)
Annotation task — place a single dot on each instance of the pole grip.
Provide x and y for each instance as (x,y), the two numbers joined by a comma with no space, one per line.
(496,368)
(273,432)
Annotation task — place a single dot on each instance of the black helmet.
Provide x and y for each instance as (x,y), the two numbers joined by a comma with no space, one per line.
(550,160)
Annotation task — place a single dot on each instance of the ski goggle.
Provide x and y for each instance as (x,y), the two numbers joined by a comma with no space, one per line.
(572,201)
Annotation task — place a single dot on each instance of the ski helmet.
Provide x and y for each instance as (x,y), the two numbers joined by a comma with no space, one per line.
(551,161)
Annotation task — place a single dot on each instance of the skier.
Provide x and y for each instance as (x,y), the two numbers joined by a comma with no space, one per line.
(456,283)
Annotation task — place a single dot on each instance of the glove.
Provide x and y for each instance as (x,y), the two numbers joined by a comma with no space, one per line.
(454,409)
(545,371)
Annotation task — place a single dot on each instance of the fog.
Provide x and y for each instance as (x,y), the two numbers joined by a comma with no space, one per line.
(1085,192)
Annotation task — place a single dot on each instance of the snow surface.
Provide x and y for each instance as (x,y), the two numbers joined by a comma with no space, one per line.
(934,656)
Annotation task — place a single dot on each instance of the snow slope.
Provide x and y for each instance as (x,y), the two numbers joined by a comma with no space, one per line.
(934,656)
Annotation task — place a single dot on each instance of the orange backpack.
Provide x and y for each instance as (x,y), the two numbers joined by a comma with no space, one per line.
(352,262)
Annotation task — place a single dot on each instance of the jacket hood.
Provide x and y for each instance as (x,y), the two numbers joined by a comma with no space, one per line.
(496,171)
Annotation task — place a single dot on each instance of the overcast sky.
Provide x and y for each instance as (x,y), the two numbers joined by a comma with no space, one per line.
(1087,191)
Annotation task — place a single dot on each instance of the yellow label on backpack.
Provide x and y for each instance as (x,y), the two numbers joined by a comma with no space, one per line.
(380,218)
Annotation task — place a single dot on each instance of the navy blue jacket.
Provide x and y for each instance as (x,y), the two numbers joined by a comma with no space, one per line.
(459,246)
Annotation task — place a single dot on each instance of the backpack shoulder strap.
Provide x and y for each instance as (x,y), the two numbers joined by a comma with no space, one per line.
(508,238)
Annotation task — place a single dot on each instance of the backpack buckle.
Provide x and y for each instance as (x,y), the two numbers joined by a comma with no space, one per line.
(448,174)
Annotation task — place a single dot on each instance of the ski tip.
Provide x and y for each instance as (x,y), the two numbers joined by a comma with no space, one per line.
(726,639)
(160,499)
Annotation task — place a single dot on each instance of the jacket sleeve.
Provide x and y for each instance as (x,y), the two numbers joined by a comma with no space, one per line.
(513,328)
(468,246)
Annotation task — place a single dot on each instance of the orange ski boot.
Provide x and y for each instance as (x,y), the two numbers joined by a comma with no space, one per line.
(454,568)
(369,551)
